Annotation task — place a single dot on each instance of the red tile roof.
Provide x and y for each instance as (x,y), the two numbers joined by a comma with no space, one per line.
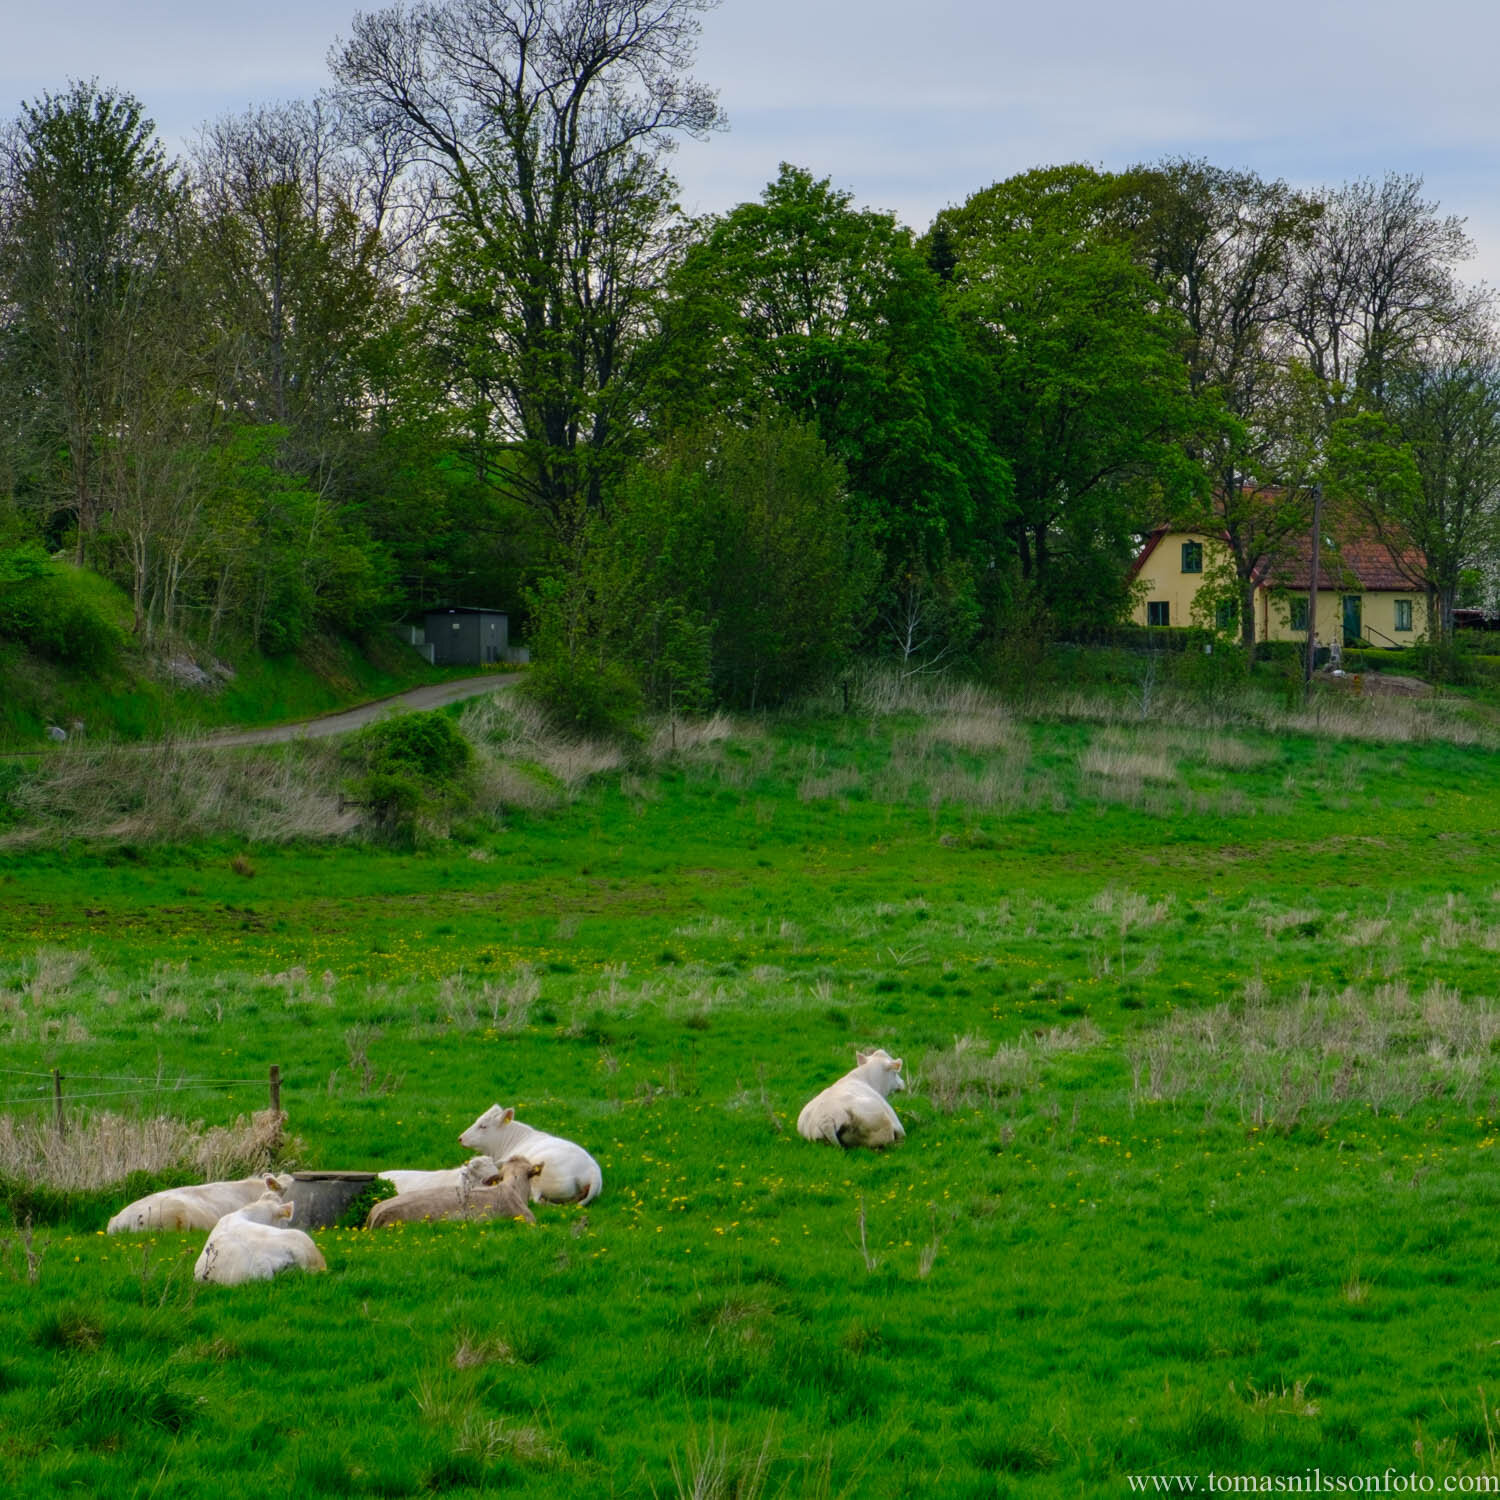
(1357,563)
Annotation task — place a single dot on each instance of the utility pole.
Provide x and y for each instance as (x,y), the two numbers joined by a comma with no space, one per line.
(1312,592)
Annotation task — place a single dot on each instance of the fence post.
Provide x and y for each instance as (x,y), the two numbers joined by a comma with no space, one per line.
(276,1088)
(57,1107)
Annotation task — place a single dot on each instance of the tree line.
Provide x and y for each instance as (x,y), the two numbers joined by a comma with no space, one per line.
(443,335)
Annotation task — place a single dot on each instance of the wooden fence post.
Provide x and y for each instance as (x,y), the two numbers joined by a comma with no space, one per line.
(276,1088)
(57,1107)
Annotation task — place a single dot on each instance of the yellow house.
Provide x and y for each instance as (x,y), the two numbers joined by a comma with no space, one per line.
(1364,595)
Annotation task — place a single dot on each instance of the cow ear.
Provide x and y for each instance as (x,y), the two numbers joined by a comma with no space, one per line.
(507,1117)
(272,1186)
(536,1170)
(287,1210)
(896,1064)
(862,1057)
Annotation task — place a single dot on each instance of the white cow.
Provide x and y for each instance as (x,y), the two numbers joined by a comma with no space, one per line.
(853,1111)
(504,1198)
(478,1171)
(254,1243)
(569,1174)
(199,1207)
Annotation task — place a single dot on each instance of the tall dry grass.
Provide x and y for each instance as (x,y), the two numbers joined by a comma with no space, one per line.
(182,790)
(100,1149)
(1317,1054)
(971,1074)
(1379,720)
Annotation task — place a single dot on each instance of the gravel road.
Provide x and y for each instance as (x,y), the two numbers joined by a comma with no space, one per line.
(433,695)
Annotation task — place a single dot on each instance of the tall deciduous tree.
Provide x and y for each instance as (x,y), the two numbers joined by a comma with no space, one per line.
(1224,246)
(1375,281)
(827,312)
(545,122)
(1087,392)
(88,245)
(1423,472)
(294,263)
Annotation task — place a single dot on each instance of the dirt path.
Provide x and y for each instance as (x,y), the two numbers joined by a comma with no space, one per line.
(432,695)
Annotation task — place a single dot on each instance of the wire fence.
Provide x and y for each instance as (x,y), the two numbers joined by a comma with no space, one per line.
(48,1091)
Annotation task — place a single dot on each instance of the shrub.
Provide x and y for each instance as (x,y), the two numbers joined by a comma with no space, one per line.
(417,746)
(410,762)
(584,695)
(1211,673)
(52,610)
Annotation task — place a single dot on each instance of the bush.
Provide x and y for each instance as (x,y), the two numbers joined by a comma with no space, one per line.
(416,746)
(1212,674)
(586,696)
(354,1216)
(410,762)
(49,608)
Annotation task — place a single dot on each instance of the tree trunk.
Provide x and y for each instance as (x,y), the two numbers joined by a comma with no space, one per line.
(1247,616)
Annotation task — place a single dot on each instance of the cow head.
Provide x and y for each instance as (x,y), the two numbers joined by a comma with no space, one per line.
(477,1136)
(889,1068)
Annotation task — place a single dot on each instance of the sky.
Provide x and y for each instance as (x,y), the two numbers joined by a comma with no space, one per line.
(912,107)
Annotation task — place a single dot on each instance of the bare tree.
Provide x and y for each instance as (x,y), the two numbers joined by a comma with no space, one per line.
(1375,281)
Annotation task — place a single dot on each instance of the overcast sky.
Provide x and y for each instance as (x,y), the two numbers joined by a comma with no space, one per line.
(914,106)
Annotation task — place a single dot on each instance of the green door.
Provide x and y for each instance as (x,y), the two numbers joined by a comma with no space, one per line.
(1352,621)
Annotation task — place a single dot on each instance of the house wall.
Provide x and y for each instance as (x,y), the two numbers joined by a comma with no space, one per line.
(473,639)
(1161,577)
(1377,617)
(1273,611)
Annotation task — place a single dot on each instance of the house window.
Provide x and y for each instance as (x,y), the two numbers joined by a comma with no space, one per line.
(1226,614)
(1403,614)
(1192,557)
(1299,614)
(1159,612)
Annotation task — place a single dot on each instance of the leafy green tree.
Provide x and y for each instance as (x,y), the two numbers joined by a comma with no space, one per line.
(296,275)
(731,569)
(544,123)
(830,314)
(790,572)
(90,215)
(1086,392)
(281,559)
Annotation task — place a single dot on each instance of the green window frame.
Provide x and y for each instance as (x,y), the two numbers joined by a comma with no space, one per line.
(1226,614)
(1192,557)
(1159,612)
(1403,614)
(1298,613)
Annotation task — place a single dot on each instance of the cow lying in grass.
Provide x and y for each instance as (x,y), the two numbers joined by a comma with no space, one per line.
(569,1174)
(199,1207)
(256,1242)
(853,1111)
(508,1197)
(478,1171)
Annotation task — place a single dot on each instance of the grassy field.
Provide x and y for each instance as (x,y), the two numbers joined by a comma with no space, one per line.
(1197,1008)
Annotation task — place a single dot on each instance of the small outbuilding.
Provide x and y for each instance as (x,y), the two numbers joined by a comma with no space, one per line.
(467,637)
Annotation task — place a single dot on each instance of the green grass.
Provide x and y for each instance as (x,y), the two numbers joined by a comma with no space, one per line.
(1200,1028)
(133,701)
